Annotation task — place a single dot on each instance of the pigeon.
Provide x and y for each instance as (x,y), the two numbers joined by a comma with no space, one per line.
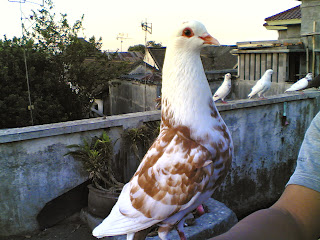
(314,83)
(300,84)
(224,89)
(262,85)
(191,155)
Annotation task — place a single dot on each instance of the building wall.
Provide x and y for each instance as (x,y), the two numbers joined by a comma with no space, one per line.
(129,96)
(292,32)
(34,169)
(310,12)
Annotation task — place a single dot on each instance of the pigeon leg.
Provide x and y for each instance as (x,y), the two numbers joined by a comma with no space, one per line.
(182,235)
(200,210)
(262,97)
(180,229)
(163,232)
(224,101)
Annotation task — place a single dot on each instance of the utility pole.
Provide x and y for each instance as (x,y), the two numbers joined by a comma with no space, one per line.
(147,27)
(22,18)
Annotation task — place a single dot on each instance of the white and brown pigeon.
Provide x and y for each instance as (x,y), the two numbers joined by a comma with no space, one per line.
(262,85)
(190,157)
(224,89)
(300,84)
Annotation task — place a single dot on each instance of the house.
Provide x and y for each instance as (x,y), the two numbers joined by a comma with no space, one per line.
(137,90)
(293,55)
(216,60)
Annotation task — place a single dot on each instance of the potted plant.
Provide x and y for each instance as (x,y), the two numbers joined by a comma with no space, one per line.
(140,139)
(96,157)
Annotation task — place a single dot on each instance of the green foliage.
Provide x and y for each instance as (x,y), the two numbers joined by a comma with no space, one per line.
(96,157)
(154,44)
(141,137)
(52,99)
(141,47)
(56,57)
(137,48)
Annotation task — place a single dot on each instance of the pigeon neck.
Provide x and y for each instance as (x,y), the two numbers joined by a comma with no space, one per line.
(186,95)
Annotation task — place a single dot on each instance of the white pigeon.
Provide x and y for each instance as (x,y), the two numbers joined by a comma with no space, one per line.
(224,89)
(190,157)
(300,84)
(262,85)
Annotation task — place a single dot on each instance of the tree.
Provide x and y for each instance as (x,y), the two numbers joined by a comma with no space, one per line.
(57,59)
(154,44)
(141,47)
(137,48)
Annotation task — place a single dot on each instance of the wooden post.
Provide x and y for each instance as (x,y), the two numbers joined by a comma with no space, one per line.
(242,66)
(282,71)
(275,67)
(313,48)
(263,63)
(258,66)
(247,67)
(252,66)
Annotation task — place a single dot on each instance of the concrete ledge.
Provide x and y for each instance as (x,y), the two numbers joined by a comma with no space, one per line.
(218,220)
(286,97)
(126,120)
(46,130)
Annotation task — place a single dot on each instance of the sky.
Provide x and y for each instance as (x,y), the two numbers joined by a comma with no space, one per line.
(229,21)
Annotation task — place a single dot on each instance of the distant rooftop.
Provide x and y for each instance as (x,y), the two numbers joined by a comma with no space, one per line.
(129,56)
(292,13)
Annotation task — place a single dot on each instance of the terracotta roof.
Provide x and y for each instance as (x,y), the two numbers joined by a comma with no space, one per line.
(292,13)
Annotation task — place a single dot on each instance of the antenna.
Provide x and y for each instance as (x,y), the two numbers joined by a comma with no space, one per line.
(122,36)
(30,107)
(147,27)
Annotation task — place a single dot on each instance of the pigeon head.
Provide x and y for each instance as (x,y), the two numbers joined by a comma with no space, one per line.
(192,34)
(269,71)
(309,76)
(227,76)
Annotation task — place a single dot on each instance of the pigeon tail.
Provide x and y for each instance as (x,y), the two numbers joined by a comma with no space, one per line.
(118,224)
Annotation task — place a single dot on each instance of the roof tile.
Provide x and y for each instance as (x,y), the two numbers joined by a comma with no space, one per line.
(292,13)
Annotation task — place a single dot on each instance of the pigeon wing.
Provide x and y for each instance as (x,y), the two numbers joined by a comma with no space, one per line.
(173,171)
(300,85)
(256,88)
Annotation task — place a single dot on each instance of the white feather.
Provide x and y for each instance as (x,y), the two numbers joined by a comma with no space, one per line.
(300,84)
(186,89)
(224,89)
(262,85)
(117,223)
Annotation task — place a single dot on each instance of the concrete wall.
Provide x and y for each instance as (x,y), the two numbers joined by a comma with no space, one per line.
(129,96)
(292,32)
(310,13)
(265,149)
(34,170)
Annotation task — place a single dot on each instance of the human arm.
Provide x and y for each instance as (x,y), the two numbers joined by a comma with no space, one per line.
(295,216)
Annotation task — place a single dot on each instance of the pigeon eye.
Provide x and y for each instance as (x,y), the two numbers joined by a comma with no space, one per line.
(187,32)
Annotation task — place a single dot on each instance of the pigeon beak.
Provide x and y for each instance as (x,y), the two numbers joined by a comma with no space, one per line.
(208,39)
